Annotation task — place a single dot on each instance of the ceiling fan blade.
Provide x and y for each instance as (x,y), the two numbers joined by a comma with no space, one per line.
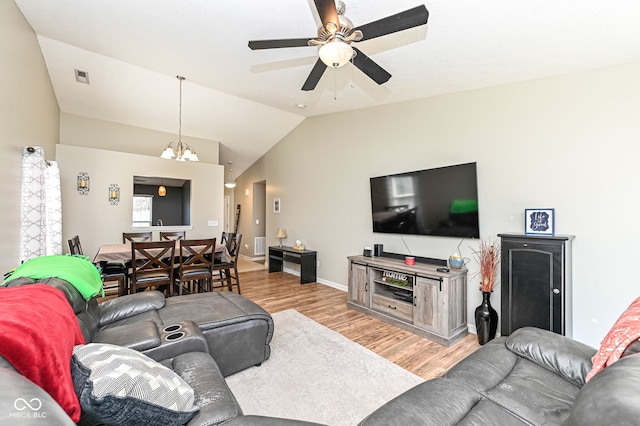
(314,76)
(328,13)
(370,68)
(277,44)
(394,23)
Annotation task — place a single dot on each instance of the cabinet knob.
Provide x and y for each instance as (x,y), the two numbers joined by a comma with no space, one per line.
(556,291)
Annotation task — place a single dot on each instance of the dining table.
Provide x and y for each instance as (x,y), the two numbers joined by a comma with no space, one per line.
(122,252)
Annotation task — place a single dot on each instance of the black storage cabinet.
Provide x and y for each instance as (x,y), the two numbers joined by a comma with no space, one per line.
(536,283)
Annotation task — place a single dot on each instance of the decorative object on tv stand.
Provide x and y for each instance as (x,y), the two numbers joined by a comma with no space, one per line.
(298,245)
(456,261)
(181,152)
(488,256)
(539,222)
(83,183)
(114,194)
(231,183)
(281,234)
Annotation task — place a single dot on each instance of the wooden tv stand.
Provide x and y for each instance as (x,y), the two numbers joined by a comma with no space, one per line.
(416,298)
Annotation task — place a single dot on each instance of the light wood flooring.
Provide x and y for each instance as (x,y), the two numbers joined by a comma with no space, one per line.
(279,291)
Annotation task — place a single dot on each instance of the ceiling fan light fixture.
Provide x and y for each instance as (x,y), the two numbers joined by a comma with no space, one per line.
(335,53)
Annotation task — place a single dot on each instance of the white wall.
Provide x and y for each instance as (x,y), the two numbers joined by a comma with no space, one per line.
(29,116)
(100,134)
(98,222)
(566,142)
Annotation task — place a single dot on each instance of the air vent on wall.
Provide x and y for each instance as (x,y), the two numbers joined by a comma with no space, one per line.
(82,76)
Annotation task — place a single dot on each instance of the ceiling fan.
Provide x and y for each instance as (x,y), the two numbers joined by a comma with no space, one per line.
(336,35)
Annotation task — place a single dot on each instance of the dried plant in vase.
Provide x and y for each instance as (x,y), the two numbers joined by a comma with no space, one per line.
(488,257)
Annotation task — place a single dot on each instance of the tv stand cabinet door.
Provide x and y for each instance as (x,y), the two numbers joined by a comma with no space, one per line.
(359,284)
(429,310)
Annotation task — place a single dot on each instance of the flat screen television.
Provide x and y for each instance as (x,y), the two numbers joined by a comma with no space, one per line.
(439,202)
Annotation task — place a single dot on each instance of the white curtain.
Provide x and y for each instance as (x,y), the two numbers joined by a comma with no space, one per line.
(41,205)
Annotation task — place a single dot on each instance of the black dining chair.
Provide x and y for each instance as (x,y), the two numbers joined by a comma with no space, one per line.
(110,272)
(152,266)
(195,268)
(227,272)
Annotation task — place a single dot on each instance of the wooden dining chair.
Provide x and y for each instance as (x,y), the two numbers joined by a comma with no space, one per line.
(110,272)
(173,236)
(128,237)
(153,263)
(227,272)
(195,269)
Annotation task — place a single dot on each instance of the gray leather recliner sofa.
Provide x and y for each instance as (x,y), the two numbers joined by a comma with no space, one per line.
(214,335)
(533,377)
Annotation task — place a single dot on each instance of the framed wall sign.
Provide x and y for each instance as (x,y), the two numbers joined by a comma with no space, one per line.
(276,205)
(539,221)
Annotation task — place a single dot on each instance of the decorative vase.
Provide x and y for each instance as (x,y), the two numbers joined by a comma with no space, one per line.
(486,319)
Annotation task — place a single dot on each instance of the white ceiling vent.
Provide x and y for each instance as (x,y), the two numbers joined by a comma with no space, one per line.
(82,76)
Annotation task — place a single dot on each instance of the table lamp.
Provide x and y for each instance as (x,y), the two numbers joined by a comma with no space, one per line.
(281,234)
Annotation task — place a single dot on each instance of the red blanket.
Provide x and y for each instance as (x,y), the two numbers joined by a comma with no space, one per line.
(38,331)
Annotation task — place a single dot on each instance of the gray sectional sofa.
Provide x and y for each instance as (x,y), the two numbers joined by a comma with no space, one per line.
(533,377)
(201,337)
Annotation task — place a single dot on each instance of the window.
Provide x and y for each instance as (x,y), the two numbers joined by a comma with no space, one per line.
(142,206)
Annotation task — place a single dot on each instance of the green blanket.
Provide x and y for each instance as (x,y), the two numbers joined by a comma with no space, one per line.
(77,270)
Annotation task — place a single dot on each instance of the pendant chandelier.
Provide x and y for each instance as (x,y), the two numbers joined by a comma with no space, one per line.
(181,151)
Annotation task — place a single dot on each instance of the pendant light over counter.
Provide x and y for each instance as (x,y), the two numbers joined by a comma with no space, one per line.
(230,183)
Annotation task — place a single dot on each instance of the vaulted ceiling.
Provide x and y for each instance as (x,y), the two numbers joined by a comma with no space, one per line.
(248,100)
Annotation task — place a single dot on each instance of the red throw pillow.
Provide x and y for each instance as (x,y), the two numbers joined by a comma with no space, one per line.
(624,331)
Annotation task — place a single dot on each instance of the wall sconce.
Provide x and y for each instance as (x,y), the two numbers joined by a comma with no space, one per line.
(114,194)
(83,183)
(246,192)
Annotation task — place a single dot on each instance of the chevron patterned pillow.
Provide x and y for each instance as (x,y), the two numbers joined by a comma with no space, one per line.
(120,386)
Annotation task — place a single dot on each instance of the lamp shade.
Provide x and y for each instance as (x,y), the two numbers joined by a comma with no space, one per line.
(281,233)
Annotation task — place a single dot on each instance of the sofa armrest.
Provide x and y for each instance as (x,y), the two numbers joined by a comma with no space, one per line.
(127,306)
(18,393)
(563,355)
(610,397)
(140,336)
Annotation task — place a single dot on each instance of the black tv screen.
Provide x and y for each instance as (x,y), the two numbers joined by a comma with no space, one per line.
(439,202)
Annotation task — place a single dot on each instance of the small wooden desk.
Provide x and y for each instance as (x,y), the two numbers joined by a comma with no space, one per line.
(305,258)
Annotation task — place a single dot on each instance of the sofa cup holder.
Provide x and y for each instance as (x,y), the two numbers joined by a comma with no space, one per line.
(175,336)
(172,328)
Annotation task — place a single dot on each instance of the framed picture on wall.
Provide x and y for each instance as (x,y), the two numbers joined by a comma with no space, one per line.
(539,221)
(276,205)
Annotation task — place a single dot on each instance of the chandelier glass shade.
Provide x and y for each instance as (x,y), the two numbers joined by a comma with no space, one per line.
(180,151)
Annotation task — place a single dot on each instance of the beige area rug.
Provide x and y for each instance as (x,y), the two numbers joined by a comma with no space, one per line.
(318,375)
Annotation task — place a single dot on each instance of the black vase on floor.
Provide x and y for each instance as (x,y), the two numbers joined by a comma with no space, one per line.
(486,319)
